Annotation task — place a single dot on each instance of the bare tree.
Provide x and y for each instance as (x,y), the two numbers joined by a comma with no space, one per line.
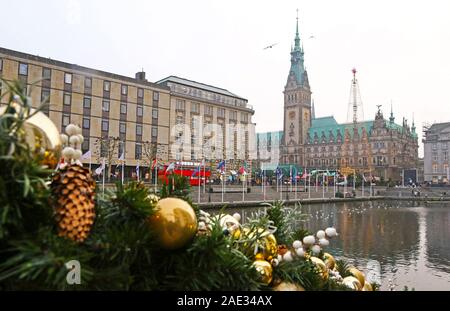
(149,153)
(106,147)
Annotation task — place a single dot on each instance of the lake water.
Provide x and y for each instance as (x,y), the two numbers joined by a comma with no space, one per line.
(407,242)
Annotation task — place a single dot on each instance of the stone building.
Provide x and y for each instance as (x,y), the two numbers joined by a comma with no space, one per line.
(379,147)
(436,153)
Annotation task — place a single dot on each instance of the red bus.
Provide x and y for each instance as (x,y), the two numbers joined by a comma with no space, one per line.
(187,169)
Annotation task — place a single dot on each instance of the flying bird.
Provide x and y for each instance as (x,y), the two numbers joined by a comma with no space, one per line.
(270,46)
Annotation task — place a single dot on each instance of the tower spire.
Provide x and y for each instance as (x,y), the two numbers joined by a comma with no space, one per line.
(313,110)
(391,118)
(297,36)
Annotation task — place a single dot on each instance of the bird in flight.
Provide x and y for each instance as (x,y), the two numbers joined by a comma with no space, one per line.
(270,46)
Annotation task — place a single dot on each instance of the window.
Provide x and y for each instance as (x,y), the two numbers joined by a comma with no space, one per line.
(138,130)
(233,115)
(138,151)
(106,86)
(435,156)
(122,128)
(105,125)
(180,104)
(244,117)
(105,105)
(155,113)
(445,156)
(139,111)
(87,103)
(65,120)
(434,146)
(45,95)
(140,93)
(23,69)
(444,146)
(179,120)
(123,108)
(221,113)
(154,131)
(209,110)
(68,78)
(121,150)
(155,95)
(124,89)
(67,99)
(46,73)
(435,168)
(88,82)
(86,123)
(85,145)
(195,107)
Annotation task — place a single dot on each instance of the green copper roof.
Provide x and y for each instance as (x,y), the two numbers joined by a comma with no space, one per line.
(328,125)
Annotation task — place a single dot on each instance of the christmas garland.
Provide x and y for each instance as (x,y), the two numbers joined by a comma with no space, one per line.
(132,239)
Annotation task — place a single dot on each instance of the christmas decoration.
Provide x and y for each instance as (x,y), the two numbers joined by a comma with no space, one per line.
(288,287)
(329,261)
(229,224)
(264,269)
(367,287)
(330,232)
(321,267)
(352,283)
(174,223)
(357,274)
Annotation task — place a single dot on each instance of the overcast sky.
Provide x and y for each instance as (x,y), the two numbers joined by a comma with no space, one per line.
(401,49)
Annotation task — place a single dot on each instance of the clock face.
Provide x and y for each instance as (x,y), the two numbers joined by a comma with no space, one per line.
(292,115)
(306,116)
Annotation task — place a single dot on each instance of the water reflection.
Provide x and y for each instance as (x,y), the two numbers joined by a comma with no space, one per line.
(409,241)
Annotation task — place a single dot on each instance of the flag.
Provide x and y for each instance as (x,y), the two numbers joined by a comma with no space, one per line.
(137,169)
(243,169)
(100,169)
(122,157)
(203,162)
(279,172)
(171,167)
(154,163)
(221,165)
(196,171)
(87,155)
(364,177)
(294,173)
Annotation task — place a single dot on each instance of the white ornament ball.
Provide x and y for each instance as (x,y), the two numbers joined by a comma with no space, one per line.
(274,262)
(78,130)
(309,240)
(297,244)
(330,232)
(68,152)
(316,249)
(64,139)
(71,129)
(237,216)
(201,225)
(320,234)
(300,252)
(288,256)
(324,242)
(280,258)
(81,138)
(77,154)
(74,140)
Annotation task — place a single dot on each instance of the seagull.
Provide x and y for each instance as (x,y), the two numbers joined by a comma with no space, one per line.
(270,46)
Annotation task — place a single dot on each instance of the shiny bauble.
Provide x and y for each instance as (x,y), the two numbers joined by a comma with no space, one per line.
(264,269)
(324,242)
(41,135)
(259,256)
(297,244)
(367,287)
(300,252)
(266,241)
(330,232)
(270,246)
(288,256)
(320,234)
(321,266)
(174,223)
(237,216)
(357,274)
(288,287)
(329,261)
(352,282)
(315,250)
(309,240)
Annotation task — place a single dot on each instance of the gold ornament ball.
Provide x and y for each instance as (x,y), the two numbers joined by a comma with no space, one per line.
(270,246)
(357,274)
(367,287)
(288,287)
(174,223)
(329,261)
(264,268)
(322,267)
(352,282)
(41,135)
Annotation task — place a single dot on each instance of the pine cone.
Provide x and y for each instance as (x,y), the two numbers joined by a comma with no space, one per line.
(73,190)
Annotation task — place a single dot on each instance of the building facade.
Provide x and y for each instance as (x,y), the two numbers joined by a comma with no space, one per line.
(436,153)
(130,111)
(209,122)
(379,147)
(268,148)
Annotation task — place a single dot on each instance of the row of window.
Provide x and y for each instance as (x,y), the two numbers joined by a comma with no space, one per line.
(47,72)
(207,95)
(444,168)
(444,156)
(208,110)
(443,146)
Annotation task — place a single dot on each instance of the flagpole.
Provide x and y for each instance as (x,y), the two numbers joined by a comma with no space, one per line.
(317,180)
(243,177)
(323,186)
(204,175)
(363,185)
(281,187)
(123,161)
(296,186)
(309,185)
(199,185)
(104,169)
(156,176)
(334,184)
(290,178)
(264,185)
(90,160)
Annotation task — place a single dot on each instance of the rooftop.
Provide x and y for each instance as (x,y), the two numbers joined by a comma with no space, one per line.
(199,85)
